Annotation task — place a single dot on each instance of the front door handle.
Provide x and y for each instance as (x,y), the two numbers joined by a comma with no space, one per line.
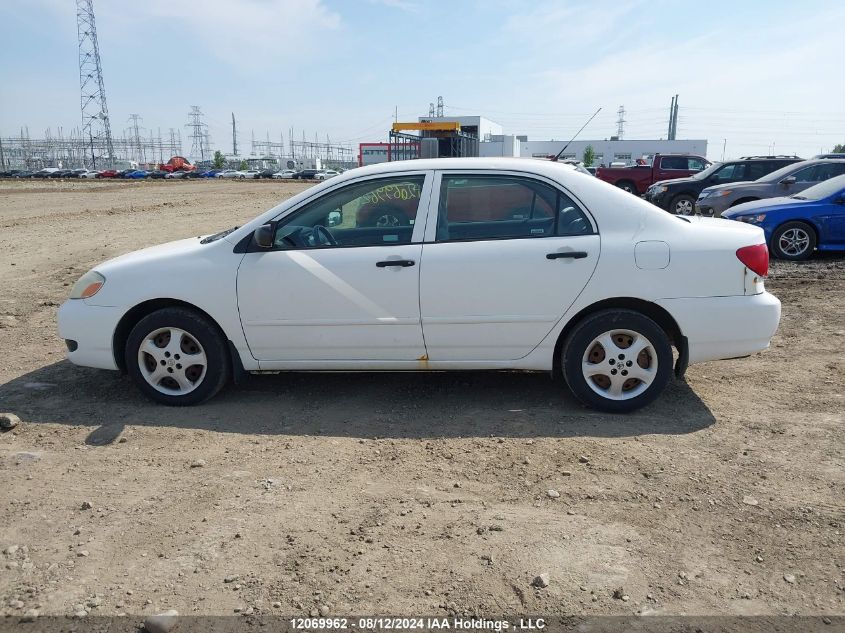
(404,263)
(567,255)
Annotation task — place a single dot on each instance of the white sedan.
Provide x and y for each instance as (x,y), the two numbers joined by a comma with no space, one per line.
(326,174)
(285,173)
(488,263)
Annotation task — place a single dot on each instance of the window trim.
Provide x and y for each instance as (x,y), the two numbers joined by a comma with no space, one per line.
(434,204)
(416,234)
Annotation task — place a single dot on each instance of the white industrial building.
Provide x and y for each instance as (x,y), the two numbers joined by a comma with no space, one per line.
(605,151)
(494,142)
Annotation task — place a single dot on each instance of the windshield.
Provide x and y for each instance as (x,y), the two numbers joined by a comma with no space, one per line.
(706,173)
(822,190)
(780,174)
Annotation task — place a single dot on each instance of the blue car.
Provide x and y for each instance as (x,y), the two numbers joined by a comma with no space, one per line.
(798,225)
(138,173)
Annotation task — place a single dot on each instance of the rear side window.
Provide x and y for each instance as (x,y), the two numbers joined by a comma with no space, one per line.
(759,168)
(505,207)
(732,173)
(673,162)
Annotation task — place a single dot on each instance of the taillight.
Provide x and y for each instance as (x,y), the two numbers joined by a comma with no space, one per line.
(756,258)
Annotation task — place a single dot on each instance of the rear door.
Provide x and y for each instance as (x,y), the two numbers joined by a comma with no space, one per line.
(504,257)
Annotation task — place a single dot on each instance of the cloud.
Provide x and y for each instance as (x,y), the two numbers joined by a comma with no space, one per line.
(402,5)
(247,32)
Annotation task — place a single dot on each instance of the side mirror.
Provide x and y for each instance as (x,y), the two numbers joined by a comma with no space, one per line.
(263,235)
(335,218)
(788,181)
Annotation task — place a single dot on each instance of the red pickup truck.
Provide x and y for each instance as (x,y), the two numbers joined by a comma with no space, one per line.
(638,178)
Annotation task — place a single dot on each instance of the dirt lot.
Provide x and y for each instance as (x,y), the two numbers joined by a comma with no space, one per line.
(400,494)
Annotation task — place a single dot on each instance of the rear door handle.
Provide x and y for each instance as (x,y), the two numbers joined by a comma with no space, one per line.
(567,255)
(404,263)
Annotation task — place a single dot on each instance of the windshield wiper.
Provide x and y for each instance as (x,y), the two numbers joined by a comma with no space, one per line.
(217,236)
(798,197)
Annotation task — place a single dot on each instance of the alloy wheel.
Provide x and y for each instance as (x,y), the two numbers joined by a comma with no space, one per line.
(172,361)
(619,364)
(794,242)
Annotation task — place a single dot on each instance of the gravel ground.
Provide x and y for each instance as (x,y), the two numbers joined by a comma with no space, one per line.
(404,493)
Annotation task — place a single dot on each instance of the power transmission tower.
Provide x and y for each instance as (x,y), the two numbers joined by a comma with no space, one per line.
(620,122)
(439,106)
(199,134)
(234,137)
(96,128)
(136,138)
(431,110)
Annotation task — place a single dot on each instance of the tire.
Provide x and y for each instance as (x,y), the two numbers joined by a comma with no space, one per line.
(793,241)
(152,357)
(682,204)
(613,390)
(627,185)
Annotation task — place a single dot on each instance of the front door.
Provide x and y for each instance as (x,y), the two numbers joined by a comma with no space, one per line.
(341,281)
(505,256)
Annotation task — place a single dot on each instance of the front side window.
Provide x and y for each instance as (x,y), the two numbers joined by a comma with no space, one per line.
(505,207)
(373,213)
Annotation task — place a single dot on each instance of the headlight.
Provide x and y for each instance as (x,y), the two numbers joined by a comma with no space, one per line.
(704,194)
(753,219)
(88,285)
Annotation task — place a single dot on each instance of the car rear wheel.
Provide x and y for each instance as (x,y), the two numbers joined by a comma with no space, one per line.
(617,361)
(794,241)
(177,357)
(683,205)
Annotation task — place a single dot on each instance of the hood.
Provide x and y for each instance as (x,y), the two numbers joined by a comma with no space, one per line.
(162,251)
(674,181)
(757,205)
(732,186)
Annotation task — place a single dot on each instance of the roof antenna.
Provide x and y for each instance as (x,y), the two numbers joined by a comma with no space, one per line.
(554,159)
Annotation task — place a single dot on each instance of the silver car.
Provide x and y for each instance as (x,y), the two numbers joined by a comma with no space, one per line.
(786,181)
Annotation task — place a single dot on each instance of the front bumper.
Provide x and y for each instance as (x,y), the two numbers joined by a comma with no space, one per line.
(725,327)
(92,328)
(659,199)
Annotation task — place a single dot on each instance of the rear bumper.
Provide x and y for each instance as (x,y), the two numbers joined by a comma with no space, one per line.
(92,328)
(725,327)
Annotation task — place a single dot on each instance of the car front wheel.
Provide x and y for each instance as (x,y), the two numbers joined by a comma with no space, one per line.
(683,205)
(794,241)
(177,357)
(617,360)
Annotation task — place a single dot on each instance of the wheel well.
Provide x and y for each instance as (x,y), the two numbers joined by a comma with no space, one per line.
(135,314)
(653,311)
(743,201)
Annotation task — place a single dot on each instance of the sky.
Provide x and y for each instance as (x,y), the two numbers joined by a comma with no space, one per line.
(753,77)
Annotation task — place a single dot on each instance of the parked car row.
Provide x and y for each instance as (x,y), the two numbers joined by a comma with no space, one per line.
(135,174)
(799,204)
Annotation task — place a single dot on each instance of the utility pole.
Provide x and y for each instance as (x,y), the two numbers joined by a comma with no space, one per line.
(671,119)
(95,113)
(724,146)
(620,123)
(395,114)
(675,120)
(234,136)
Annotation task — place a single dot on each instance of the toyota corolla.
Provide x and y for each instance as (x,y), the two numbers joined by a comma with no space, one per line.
(449,264)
